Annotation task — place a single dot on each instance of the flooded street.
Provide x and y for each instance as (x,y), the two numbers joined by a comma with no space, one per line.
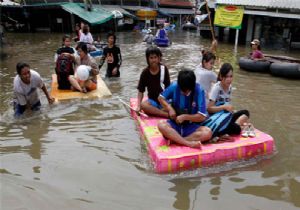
(88,154)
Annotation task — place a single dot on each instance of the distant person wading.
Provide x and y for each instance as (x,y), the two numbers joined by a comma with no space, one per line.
(112,55)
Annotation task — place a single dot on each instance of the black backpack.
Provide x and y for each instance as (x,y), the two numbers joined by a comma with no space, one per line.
(64,68)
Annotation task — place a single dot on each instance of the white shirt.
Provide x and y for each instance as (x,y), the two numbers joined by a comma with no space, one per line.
(205,78)
(86,38)
(27,93)
(219,95)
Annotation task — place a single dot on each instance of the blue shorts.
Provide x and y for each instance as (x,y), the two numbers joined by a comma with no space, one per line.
(19,109)
(154,103)
(184,129)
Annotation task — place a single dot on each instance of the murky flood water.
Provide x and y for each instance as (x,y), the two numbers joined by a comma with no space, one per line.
(88,154)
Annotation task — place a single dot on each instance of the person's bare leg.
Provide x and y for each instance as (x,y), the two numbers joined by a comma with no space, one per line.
(151,110)
(89,85)
(171,134)
(242,120)
(202,134)
(75,83)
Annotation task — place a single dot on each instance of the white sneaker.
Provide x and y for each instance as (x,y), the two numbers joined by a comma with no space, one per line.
(245,132)
(251,132)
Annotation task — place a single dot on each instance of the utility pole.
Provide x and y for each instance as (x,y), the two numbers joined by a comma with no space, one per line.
(210,22)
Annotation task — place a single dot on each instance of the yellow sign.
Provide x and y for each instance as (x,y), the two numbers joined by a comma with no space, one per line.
(146,14)
(229,16)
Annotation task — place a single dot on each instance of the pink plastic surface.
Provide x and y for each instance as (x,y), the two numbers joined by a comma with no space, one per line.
(172,158)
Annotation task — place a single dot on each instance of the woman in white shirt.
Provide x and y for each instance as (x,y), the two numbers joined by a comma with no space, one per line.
(87,38)
(204,74)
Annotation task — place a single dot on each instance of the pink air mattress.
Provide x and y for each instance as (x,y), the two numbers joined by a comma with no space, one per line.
(173,158)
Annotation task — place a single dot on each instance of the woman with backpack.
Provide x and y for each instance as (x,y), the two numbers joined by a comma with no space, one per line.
(64,59)
(65,48)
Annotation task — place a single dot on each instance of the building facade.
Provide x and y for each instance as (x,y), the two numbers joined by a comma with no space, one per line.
(61,15)
(276,23)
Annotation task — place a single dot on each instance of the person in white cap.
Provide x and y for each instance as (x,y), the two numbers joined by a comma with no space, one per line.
(149,38)
(256,53)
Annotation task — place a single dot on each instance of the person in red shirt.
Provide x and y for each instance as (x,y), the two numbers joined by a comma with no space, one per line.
(256,53)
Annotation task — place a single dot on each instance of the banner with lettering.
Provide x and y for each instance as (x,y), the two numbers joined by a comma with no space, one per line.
(229,16)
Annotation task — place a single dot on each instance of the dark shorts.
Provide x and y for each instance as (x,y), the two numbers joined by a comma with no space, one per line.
(19,109)
(184,129)
(109,72)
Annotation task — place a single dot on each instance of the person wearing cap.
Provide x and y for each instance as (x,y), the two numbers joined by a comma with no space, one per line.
(149,38)
(256,53)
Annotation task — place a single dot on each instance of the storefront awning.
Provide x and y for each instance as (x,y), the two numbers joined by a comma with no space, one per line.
(272,14)
(96,16)
(133,8)
(164,14)
(278,4)
(112,8)
(8,3)
(173,11)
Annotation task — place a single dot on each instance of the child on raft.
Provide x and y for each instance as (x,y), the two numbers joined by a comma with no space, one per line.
(155,78)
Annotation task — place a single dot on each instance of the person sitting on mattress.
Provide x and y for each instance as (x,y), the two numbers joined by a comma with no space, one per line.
(220,100)
(187,110)
(26,85)
(90,83)
(65,49)
(64,63)
(155,77)
(205,75)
